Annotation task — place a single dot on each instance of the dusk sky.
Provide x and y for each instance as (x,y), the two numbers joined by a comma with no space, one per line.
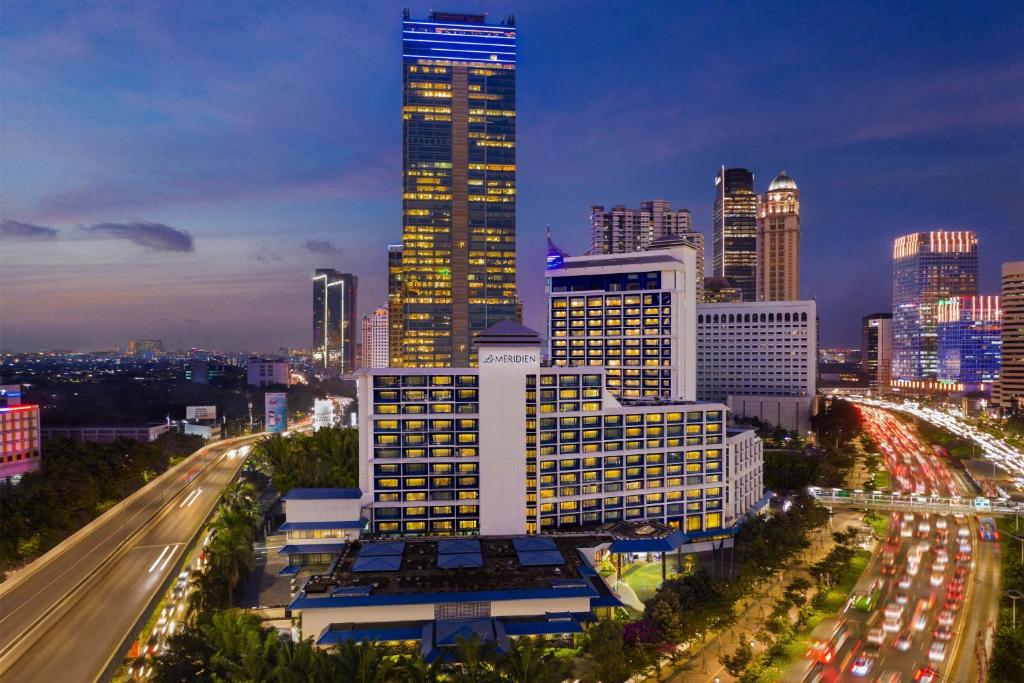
(176,170)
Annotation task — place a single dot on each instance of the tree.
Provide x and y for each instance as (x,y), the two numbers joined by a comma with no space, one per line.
(230,554)
(606,652)
(739,660)
(362,663)
(527,662)
(415,669)
(185,660)
(1007,664)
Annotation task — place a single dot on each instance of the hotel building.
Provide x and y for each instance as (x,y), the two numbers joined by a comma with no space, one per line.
(928,267)
(735,229)
(1010,394)
(375,339)
(334,321)
(876,349)
(778,241)
(458,259)
(512,447)
(20,449)
(632,314)
(968,332)
(759,358)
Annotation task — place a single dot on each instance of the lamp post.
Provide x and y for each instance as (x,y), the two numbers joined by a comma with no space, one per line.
(1014,595)
(1020,539)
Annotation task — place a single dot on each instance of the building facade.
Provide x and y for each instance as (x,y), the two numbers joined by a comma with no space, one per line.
(263,372)
(876,349)
(144,433)
(20,449)
(778,241)
(760,358)
(1010,388)
(735,230)
(394,305)
(376,349)
(334,321)
(968,340)
(720,290)
(145,347)
(928,267)
(632,314)
(459,184)
(513,447)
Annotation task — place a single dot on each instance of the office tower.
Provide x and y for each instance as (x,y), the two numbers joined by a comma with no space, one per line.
(459,184)
(513,447)
(778,241)
(334,321)
(20,450)
(735,229)
(622,230)
(760,358)
(1010,393)
(721,290)
(375,339)
(145,347)
(632,313)
(968,340)
(395,305)
(876,349)
(927,268)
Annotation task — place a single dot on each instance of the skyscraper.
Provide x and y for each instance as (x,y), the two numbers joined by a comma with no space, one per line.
(1010,393)
(778,241)
(876,349)
(395,305)
(334,321)
(458,274)
(375,339)
(927,268)
(735,229)
(622,230)
(968,340)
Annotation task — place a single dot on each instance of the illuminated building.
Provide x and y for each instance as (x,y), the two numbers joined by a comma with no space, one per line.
(514,447)
(622,230)
(334,321)
(876,349)
(1010,388)
(927,268)
(735,230)
(720,290)
(264,372)
(458,273)
(631,313)
(778,241)
(145,347)
(20,451)
(375,339)
(395,305)
(968,340)
(759,358)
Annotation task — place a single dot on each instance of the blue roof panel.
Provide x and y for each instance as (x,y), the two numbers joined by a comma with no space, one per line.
(534,543)
(379,563)
(323,494)
(383,548)
(456,560)
(453,597)
(458,545)
(332,637)
(309,548)
(536,558)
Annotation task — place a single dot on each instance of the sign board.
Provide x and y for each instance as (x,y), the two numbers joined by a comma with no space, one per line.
(201,413)
(275,412)
(323,413)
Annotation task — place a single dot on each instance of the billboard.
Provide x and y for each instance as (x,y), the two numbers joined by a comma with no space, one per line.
(275,411)
(201,413)
(323,413)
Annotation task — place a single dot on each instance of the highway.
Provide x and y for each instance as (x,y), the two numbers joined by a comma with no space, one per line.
(64,620)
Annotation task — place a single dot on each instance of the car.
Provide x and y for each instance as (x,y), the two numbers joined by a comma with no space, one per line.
(937,652)
(924,527)
(902,598)
(936,578)
(942,555)
(945,618)
(963,532)
(941,524)
(140,668)
(862,664)
(906,531)
(905,582)
(903,641)
(953,604)
(892,625)
(943,633)
(893,610)
(920,622)
(876,636)
(926,674)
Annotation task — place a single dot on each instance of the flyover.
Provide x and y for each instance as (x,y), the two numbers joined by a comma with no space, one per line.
(901,502)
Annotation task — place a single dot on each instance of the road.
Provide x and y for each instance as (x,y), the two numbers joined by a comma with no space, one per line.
(53,629)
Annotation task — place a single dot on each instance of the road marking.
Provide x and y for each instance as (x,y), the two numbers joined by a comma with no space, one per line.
(195,498)
(155,563)
(190,498)
(169,556)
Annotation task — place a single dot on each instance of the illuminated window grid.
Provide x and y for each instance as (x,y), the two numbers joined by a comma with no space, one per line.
(630,333)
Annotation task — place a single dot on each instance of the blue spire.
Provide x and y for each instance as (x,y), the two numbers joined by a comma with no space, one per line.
(556,257)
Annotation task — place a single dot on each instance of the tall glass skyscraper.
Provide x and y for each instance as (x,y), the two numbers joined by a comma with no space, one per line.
(969,340)
(928,267)
(735,231)
(458,273)
(334,321)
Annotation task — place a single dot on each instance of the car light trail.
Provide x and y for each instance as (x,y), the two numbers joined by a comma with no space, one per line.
(157,561)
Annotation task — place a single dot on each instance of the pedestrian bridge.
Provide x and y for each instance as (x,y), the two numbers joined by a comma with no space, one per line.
(903,502)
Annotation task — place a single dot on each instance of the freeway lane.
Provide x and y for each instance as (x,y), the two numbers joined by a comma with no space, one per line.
(76,645)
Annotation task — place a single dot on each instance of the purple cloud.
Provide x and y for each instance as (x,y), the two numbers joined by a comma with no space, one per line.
(321,247)
(28,231)
(153,236)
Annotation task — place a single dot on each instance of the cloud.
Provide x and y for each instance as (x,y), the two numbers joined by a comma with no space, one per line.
(9,228)
(321,247)
(154,236)
(265,254)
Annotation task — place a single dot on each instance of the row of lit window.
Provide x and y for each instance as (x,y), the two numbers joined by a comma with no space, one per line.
(675,519)
(437,527)
(425,511)
(463,425)
(607,301)
(432,452)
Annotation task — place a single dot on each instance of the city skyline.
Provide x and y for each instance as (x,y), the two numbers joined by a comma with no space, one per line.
(198,209)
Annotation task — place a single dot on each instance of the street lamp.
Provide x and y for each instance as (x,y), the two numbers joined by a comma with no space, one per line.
(1020,539)
(1014,595)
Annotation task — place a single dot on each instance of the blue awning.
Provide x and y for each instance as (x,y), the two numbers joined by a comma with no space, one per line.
(458,545)
(534,543)
(311,526)
(289,570)
(310,548)
(535,558)
(333,636)
(455,560)
(381,563)
(382,548)
(665,544)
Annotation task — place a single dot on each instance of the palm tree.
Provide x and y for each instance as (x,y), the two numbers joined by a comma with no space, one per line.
(300,662)
(528,662)
(474,657)
(230,553)
(362,663)
(415,669)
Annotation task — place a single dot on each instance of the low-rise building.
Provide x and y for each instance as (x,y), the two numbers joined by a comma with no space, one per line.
(318,522)
(264,372)
(106,433)
(20,450)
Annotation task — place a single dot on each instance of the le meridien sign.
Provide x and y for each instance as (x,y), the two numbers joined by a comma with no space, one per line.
(509,359)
